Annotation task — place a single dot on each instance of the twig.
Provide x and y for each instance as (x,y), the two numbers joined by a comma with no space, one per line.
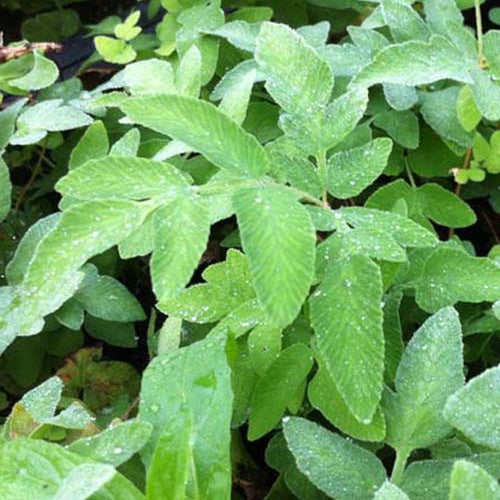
(129,410)
(8,53)
(491,226)
(458,188)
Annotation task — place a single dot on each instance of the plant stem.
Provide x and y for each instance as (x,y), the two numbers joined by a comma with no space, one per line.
(410,175)
(399,465)
(479,31)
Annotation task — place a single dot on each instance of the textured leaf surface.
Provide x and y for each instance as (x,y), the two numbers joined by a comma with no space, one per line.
(181,235)
(279,240)
(114,445)
(430,370)
(274,391)
(415,63)
(346,316)
(475,409)
(296,77)
(469,481)
(350,172)
(389,491)
(5,189)
(449,276)
(202,127)
(324,395)
(93,144)
(336,466)
(115,177)
(186,396)
(46,467)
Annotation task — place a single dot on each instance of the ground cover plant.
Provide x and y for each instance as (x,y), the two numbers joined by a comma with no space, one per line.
(249,250)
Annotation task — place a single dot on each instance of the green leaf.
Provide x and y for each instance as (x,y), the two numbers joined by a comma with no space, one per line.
(188,76)
(93,144)
(281,256)
(5,190)
(389,491)
(404,22)
(473,409)
(106,298)
(430,370)
(449,276)
(83,481)
(150,77)
(114,50)
(112,332)
(52,276)
(400,97)
(116,177)
(128,29)
(52,26)
(324,396)
(439,111)
(169,335)
(402,126)
(444,207)
(406,232)
(114,445)
(346,316)
(182,228)
(48,469)
(276,388)
(336,466)
(468,481)
(426,479)
(350,172)
(8,118)
(186,396)
(43,74)
(468,113)
(203,128)
(47,116)
(415,63)
(127,145)
(228,285)
(296,77)
(16,268)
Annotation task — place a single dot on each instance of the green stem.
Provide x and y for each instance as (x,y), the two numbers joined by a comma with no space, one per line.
(321,162)
(410,175)
(479,31)
(399,465)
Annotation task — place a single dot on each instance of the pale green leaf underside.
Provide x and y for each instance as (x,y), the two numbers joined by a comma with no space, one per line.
(430,370)
(181,235)
(336,466)
(346,315)
(475,409)
(415,63)
(469,481)
(279,240)
(186,396)
(202,127)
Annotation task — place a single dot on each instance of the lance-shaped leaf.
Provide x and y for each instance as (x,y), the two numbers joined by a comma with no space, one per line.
(122,178)
(468,481)
(5,190)
(296,77)
(49,470)
(93,144)
(351,171)
(324,395)
(389,491)
(415,63)
(336,466)
(181,235)
(53,275)
(346,315)
(276,389)
(449,276)
(430,370)
(279,240)
(114,445)
(186,396)
(474,411)
(203,128)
